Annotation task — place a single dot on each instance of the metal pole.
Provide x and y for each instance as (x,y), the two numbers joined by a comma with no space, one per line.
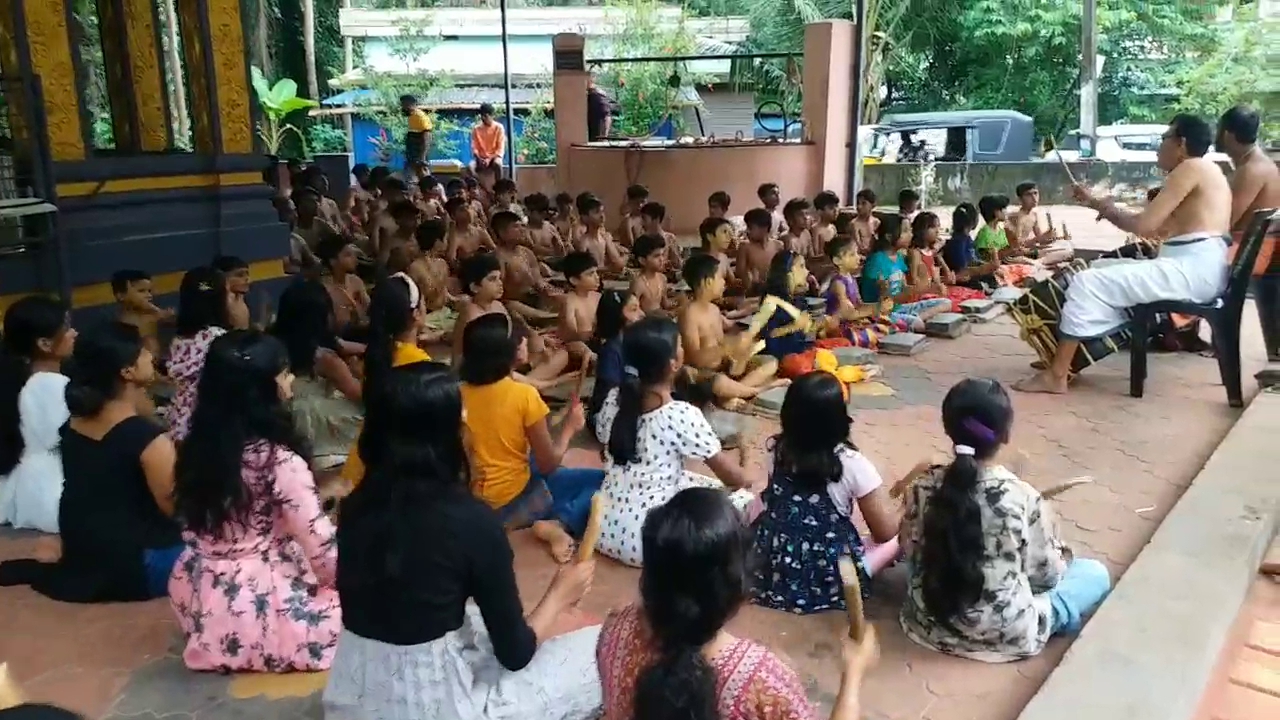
(1089,71)
(509,118)
(855,101)
(348,64)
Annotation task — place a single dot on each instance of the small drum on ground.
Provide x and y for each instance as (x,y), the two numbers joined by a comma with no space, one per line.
(1038,311)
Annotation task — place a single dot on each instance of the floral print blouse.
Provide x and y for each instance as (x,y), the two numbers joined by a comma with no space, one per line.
(751,682)
(186,362)
(1024,558)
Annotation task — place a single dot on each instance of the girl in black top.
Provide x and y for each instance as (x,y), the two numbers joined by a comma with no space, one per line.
(118,541)
(421,562)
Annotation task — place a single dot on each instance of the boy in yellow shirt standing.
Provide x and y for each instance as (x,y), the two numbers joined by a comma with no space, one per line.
(515,463)
(417,141)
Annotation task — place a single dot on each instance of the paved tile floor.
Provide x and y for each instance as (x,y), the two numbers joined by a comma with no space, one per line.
(1246,682)
(121,661)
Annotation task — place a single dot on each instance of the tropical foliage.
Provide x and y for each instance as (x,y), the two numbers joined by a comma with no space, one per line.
(276,103)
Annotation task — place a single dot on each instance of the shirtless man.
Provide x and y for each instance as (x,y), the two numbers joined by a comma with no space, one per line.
(826,207)
(465,239)
(594,238)
(755,255)
(702,329)
(1255,186)
(1194,208)
(865,223)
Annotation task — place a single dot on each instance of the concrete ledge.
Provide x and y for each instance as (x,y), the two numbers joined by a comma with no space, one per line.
(1150,650)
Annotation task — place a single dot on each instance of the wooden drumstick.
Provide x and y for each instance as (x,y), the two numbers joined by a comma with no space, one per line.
(577,393)
(1062,487)
(853,597)
(595,525)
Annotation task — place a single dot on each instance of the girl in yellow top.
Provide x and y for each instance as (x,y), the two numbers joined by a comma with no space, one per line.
(395,318)
(515,464)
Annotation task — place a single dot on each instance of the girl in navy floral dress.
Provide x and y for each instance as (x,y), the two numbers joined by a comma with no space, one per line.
(807,524)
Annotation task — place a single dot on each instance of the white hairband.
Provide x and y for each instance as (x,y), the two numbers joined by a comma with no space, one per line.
(415,295)
(965,450)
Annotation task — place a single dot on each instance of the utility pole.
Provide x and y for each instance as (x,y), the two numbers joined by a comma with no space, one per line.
(348,64)
(1089,71)
(855,102)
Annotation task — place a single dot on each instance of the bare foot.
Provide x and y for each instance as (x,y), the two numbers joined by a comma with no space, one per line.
(559,543)
(1042,382)
(734,405)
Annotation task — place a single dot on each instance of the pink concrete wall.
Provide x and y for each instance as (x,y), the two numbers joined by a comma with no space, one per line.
(682,178)
(537,179)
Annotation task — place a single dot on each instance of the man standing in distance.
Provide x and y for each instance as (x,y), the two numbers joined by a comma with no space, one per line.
(1193,209)
(417,141)
(599,112)
(1255,185)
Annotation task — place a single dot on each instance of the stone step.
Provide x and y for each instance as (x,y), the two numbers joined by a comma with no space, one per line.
(947,325)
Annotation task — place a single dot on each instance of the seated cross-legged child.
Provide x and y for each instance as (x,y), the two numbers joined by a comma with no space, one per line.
(718,207)
(989,578)
(826,208)
(783,327)
(524,288)
(465,239)
(962,255)
(755,255)
(884,277)
(132,289)
(543,235)
(702,328)
(577,320)
(618,310)
(594,238)
(847,316)
(770,198)
(865,224)
(515,463)
(993,242)
(649,286)
(927,268)
(504,198)
(652,216)
(631,221)
(649,435)
(818,480)
(567,222)
(717,239)
(797,238)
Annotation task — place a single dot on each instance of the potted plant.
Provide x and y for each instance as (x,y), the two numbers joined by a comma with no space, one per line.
(277,102)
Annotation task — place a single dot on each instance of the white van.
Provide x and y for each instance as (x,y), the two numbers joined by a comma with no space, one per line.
(1118,143)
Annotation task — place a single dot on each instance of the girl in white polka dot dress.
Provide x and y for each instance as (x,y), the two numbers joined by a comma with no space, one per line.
(648,436)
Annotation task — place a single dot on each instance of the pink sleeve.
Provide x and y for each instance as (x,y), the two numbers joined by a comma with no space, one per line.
(187,359)
(303,518)
(776,693)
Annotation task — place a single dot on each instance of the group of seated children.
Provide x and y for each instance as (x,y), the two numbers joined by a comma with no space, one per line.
(222,512)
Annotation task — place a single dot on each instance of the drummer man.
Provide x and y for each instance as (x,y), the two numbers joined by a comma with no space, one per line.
(1193,208)
(1255,185)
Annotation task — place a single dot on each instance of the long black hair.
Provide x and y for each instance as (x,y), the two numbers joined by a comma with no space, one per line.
(976,413)
(391,314)
(237,404)
(202,301)
(648,348)
(413,454)
(26,323)
(815,425)
(777,281)
(696,575)
(304,323)
(887,234)
(489,349)
(93,373)
(920,226)
(610,321)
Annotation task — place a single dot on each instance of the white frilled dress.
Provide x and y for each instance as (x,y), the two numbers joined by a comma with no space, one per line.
(30,495)
(667,437)
(458,677)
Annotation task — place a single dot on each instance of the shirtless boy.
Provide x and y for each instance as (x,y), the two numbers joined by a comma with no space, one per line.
(522,279)
(631,224)
(427,266)
(865,223)
(716,235)
(406,215)
(543,236)
(430,198)
(481,279)
(132,290)
(594,238)
(504,198)
(567,222)
(770,199)
(350,298)
(797,238)
(652,216)
(702,329)
(718,207)
(755,255)
(465,239)
(381,224)
(1255,185)
(826,207)
(1193,208)
(908,204)
(578,314)
(650,284)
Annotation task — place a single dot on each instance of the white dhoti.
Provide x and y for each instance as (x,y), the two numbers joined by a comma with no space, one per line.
(1189,268)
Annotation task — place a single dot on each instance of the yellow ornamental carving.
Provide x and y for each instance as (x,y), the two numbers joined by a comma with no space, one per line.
(148,88)
(50,48)
(231,75)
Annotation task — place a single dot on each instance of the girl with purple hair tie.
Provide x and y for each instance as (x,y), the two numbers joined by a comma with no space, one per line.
(989,577)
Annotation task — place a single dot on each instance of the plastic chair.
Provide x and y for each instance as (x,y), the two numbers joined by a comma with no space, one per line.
(1222,314)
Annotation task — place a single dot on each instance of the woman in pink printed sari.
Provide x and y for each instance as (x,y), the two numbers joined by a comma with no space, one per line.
(670,656)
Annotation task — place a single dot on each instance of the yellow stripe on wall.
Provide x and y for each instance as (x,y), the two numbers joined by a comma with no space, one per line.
(99,294)
(162,182)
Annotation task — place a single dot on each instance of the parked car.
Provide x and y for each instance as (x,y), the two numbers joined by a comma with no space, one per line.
(955,136)
(1117,143)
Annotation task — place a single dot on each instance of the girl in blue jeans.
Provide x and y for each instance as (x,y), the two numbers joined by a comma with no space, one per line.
(989,577)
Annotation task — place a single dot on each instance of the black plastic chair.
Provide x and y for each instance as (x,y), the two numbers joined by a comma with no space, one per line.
(1222,314)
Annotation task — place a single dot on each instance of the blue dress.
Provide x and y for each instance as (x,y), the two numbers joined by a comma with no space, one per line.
(789,344)
(799,539)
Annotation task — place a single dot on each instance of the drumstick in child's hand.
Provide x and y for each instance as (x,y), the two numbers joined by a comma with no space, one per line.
(853,597)
(577,393)
(595,525)
(1060,488)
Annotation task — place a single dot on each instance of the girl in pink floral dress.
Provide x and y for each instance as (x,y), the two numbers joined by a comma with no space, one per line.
(203,314)
(254,590)
(670,656)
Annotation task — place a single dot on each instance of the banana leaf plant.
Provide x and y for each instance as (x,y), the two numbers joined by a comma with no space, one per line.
(277,103)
